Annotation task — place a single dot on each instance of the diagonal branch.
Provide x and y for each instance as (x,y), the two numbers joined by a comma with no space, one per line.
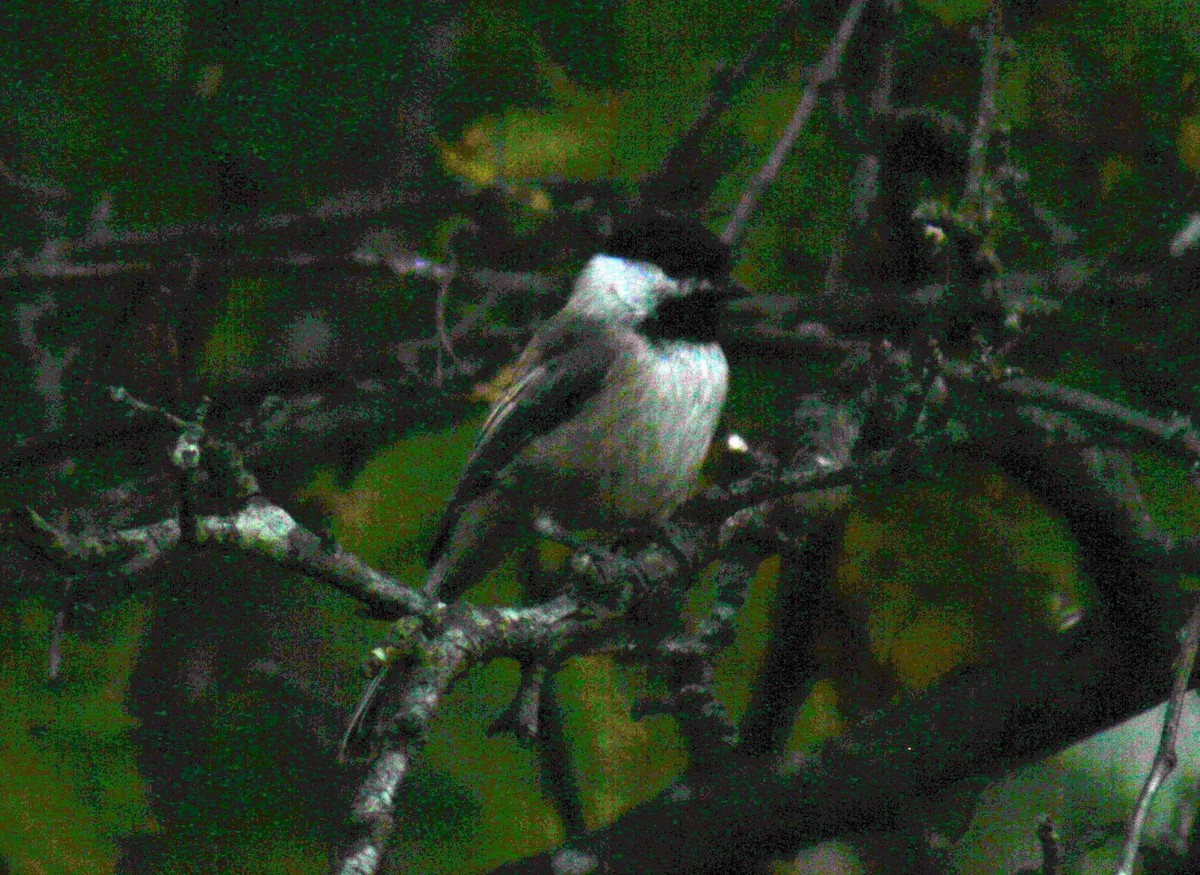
(677,167)
(1165,758)
(985,115)
(825,72)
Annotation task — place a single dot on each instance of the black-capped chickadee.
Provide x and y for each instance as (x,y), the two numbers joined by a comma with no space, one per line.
(610,412)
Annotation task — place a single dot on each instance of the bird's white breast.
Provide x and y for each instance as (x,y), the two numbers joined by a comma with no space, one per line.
(646,434)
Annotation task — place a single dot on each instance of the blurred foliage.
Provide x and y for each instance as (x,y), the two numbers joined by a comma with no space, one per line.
(1088,790)
(69,787)
(231,344)
(154,101)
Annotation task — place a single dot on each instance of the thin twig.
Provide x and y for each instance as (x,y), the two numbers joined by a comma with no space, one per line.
(1165,759)
(825,72)
(865,185)
(39,190)
(59,629)
(1015,181)
(1176,436)
(439,320)
(985,116)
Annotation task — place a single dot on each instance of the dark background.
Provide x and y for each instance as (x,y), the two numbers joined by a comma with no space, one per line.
(195,723)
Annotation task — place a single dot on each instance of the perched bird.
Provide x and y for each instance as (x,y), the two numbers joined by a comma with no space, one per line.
(610,412)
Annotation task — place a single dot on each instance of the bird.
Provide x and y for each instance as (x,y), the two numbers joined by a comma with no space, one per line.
(609,414)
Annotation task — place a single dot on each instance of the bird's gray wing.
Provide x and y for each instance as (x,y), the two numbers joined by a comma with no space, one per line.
(559,370)
(562,367)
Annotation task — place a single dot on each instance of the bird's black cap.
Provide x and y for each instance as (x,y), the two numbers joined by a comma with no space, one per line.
(682,247)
